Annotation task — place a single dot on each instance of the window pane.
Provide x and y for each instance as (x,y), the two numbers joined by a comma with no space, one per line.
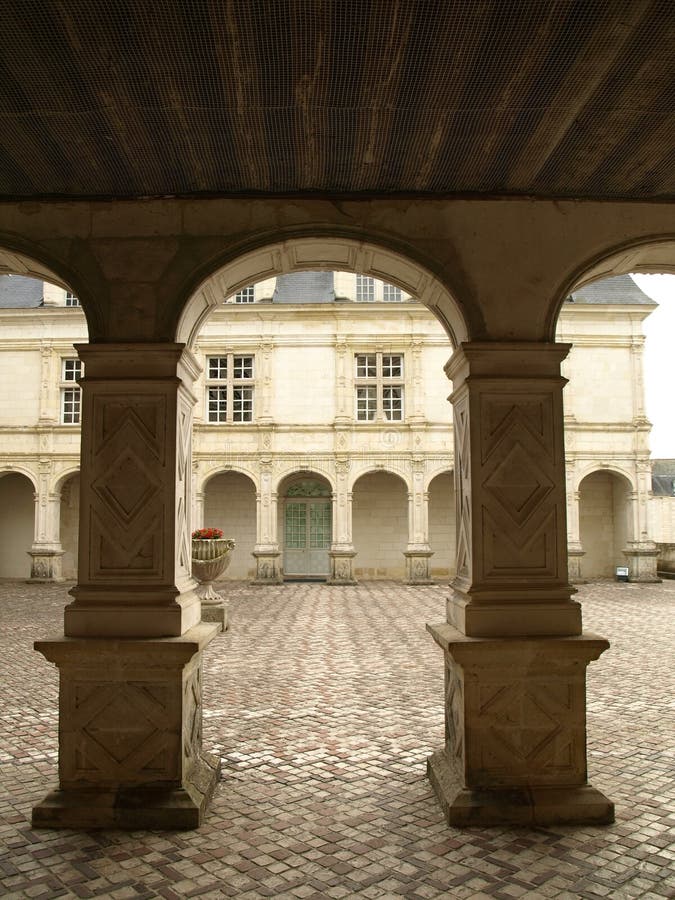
(217,404)
(242,405)
(246,295)
(392,366)
(71,299)
(366,365)
(391,294)
(72,369)
(366,403)
(365,288)
(392,403)
(217,367)
(243,367)
(296,526)
(70,406)
(319,525)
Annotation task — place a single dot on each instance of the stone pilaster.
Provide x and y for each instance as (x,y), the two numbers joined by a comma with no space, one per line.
(266,552)
(341,554)
(46,552)
(418,552)
(130,661)
(515,657)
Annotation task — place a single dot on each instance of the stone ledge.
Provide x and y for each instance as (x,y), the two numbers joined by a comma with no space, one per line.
(573,805)
(145,807)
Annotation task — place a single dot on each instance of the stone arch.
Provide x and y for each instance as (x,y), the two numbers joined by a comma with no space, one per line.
(442,522)
(605,525)
(615,469)
(647,254)
(286,477)
(273,255)
(17,258)
(230,504)
(404,476)
(380,523)
(8,469)
(17,522)
(217,470)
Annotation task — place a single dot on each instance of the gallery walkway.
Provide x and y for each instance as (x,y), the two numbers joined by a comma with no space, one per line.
(323,703)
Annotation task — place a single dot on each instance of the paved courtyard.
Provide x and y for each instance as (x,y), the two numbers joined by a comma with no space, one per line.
(323,703)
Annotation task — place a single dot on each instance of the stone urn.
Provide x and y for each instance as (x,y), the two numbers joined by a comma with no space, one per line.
(210,558)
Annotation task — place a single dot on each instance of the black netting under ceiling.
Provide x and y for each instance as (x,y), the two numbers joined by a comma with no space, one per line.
(186,97)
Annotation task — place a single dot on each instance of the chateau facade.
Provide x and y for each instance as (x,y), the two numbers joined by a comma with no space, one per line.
(335,462)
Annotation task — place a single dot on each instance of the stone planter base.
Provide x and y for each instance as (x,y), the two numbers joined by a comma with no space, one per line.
(216,613)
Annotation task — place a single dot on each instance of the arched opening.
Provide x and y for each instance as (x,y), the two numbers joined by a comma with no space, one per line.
(604,518)
(230,504)
(442,525)
(305,517)
(380,516)
(324,253)
(17,515)
(69,525)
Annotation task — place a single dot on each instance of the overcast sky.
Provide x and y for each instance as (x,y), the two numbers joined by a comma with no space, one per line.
(660,363)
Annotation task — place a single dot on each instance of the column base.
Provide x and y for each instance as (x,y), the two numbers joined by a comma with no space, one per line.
(142,808)
(417,566)
(46,566)
(267,567)
(642,558)
(463,807)
(341,566)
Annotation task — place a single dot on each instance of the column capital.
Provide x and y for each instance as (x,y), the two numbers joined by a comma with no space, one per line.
(517,359)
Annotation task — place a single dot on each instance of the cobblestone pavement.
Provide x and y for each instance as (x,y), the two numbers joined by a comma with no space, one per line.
(323,703)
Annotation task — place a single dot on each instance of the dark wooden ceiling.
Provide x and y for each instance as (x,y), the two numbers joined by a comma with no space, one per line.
(129,98)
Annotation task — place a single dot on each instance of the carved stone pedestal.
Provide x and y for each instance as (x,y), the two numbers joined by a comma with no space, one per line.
(642,559)
(216,612)
(130,733)
(575,552)
(46,564)
(417,566)
(267,567)
(341,566)
(515,746)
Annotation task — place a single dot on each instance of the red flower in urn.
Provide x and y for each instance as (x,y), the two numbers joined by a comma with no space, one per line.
(207,534)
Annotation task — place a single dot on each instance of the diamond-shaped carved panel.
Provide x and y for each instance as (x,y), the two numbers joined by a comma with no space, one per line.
(518,484)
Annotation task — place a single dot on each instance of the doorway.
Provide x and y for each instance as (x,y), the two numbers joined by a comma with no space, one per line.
(307,529)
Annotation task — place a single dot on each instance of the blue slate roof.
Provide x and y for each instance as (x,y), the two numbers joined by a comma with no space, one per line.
(19,292)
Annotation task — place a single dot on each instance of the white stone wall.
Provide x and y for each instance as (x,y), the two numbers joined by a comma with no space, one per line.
(663,519)
(380,526)
(442,522)
(17,518)
(229,503)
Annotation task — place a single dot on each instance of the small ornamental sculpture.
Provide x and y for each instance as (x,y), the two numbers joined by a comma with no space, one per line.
(211,554)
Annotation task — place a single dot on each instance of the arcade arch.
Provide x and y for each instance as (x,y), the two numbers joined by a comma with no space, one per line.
(229,503)
(442,526)
(69,523)
(380,525)
(17,518)
(605,522)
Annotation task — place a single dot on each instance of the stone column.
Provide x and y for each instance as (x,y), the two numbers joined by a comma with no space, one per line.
(46,552)
(641,554)
(515,656)
(266,551)
(342,550)
(130,751)
(418,552)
